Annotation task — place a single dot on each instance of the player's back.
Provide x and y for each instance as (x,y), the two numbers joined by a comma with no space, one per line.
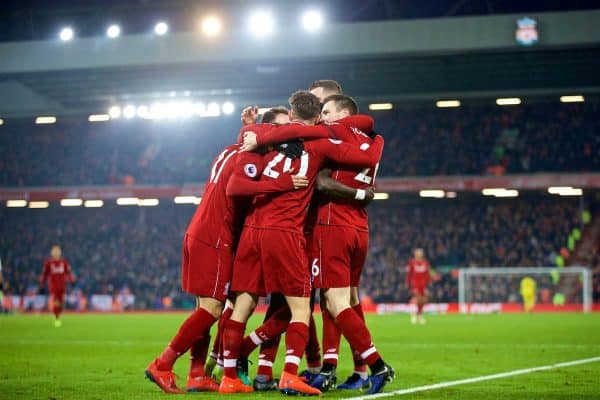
(287,210)
(342,212)
(217,218)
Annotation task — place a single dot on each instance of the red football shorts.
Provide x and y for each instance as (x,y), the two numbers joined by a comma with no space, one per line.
(206,270)
(271,261)
(418,290)
(58,295)
(338,256)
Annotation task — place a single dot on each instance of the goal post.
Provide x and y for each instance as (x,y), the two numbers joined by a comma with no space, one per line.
(558,286)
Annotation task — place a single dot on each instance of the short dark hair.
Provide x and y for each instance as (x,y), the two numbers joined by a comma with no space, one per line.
(270,115)
(305,105)
(327,84)
(343,101)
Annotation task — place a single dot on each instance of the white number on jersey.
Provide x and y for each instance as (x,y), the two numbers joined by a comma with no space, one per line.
(315,270)
(287,165)
(363,176)
(220,164)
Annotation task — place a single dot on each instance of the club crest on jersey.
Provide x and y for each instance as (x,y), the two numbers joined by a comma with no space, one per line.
(251,170)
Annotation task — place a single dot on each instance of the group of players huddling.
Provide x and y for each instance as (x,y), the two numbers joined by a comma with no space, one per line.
(282,214)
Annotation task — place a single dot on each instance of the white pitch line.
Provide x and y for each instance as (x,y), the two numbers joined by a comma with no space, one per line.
(477,379)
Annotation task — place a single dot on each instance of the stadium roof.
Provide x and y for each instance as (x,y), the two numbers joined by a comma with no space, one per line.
(38,19)
(378,61)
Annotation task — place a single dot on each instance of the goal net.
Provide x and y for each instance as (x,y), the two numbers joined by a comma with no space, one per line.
(501,289)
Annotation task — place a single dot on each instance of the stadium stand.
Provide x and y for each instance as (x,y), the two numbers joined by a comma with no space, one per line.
(422,142)
(114,247)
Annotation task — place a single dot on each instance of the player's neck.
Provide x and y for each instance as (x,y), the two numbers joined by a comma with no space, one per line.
(304,121)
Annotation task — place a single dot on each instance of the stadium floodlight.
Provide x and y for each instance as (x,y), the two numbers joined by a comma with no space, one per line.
(508,101)
(127,201)
(381,196)
(161,28)
(66,34)
(158,111)
(380,106)
(93,203)
(143,112)
(211,26)
(312,20)
(213,110)
(565,191)
(71,202)
(186,200)
(113,31)
(129,111)
(114,112)
(447,103)
(98,117)
(228,108)
(39,204)
(261,23)
(572,99)
(500,192)
(1,121)
(45,120)
(185,109)
(16,203)
(148,202)
(433,193)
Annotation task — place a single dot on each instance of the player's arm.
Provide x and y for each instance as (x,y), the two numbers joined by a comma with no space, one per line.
(293,131)
(365,123)
(245,180)
(408,274)
(351,154)
(45,273)
(337,190)
(70,277)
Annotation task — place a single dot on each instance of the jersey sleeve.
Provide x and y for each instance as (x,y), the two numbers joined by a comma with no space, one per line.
(352,154)
(245,180)
(44,276)
(293,131)
(363,122)
(69,273)
(408,273)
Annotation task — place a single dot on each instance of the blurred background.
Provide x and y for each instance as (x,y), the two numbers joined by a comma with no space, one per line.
(111,113)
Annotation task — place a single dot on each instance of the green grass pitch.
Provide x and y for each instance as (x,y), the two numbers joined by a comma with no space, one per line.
(104,356)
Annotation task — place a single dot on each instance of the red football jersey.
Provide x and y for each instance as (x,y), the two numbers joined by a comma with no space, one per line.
(345,213)
(288,210)
(352,130)
(217,220)
(57,272)
(418,273)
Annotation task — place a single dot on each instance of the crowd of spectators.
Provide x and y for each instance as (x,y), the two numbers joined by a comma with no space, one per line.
(466,140)
(467,233)
(139,248)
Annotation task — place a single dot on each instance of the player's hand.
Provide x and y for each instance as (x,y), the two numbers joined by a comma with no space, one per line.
(300,182)
(292,149)
(369,195)
(249,143)
(249,115)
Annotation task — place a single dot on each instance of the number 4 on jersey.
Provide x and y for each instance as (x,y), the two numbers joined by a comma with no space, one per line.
(363,176)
